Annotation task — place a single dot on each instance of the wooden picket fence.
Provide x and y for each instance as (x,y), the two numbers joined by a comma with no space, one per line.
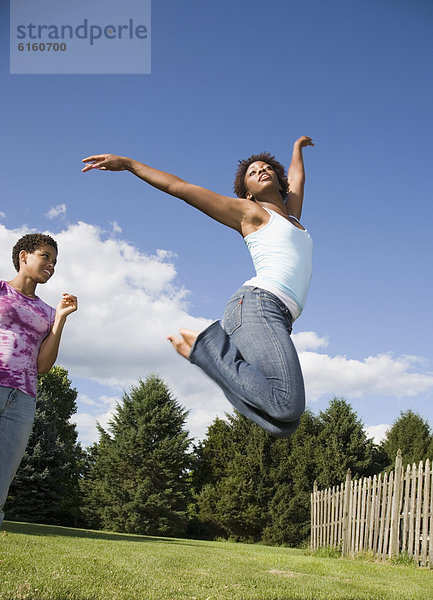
(388,514)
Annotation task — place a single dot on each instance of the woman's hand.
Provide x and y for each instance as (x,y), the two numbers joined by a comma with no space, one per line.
(304,141)
(67,305)
(106,162)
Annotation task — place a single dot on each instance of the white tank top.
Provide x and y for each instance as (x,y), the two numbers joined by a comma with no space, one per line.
(283,258)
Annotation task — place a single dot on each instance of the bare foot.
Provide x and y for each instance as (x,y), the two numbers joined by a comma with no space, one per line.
(189,336)
(183,345)
(180,345)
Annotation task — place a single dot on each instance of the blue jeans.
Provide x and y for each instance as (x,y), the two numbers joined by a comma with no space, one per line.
(17,413)
(253,360)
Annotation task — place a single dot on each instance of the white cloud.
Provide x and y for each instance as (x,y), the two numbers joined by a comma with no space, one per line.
(377,432)
(84,399)
(56,211)
(116,227)
(2,215)
(383,374)
(308,340)
(130,301)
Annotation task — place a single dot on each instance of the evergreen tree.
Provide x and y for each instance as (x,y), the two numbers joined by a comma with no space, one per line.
(46,488)
(412,435)
(91,483)
(210,459)
(343,445)
(237,500)
(294,473)
(138,479)
(213,454)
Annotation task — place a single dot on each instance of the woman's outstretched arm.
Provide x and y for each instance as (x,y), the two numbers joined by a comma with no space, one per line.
(229,211)
(296,177)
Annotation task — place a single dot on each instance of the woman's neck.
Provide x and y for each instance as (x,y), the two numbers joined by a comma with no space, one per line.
(278,206)
(24,285)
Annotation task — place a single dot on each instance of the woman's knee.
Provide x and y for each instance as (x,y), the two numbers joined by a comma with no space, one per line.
(287,407)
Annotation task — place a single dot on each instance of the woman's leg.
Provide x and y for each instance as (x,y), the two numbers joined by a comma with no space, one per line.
(17,412)
(253,359)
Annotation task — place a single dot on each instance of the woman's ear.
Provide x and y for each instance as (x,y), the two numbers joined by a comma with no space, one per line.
(23,256)
(249,196)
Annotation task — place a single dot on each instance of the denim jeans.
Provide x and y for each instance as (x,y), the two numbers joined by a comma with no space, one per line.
(17,413)
(252,358)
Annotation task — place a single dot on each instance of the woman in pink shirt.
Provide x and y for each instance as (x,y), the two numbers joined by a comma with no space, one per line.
(30,332)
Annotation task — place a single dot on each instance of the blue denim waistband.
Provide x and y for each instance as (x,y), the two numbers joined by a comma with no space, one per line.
(250,288)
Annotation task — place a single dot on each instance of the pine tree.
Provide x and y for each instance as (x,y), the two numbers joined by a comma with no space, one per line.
(46,488)
(139,482)
(237,501)
(213,454)
(293,476)
(412,435)
(210,459)
(342,445)
(91,483)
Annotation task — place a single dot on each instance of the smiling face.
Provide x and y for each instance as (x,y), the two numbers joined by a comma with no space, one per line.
(260,178)
(38,265)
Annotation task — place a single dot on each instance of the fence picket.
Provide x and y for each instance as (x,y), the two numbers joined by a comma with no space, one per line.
(411,542)
(416,553)
(332,518)
(340,516)
(406,509)
(387,516)
(328,517)
(425,511)
(382,508)
(430,553)
(395,508)
(372,513)
(363,535)
(345,521)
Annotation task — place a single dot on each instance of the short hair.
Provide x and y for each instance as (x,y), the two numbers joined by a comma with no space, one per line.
(30,243)
(239,186)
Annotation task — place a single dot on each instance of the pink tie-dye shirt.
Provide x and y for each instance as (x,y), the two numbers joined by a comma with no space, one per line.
(24,323)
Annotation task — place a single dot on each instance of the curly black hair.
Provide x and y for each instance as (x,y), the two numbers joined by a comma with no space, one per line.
(239,182)
(30,243)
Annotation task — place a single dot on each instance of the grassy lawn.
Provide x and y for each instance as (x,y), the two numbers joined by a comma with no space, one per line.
(39,562)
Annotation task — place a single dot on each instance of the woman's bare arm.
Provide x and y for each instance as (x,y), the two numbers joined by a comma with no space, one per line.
(296,177)
(50,346)
(229,211)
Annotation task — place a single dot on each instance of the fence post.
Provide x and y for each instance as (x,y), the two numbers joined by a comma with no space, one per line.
(345,550)
(394,538)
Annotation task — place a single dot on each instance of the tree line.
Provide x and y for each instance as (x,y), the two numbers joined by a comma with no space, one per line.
(145,475)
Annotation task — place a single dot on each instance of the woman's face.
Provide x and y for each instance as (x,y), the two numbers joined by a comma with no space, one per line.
(260,177)
(39,265)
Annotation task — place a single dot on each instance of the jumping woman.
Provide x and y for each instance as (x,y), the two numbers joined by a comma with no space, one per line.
(250,355)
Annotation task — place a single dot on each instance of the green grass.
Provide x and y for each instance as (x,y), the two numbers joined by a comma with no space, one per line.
(39,562)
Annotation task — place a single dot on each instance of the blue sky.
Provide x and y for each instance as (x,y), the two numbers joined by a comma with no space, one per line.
(230,79)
